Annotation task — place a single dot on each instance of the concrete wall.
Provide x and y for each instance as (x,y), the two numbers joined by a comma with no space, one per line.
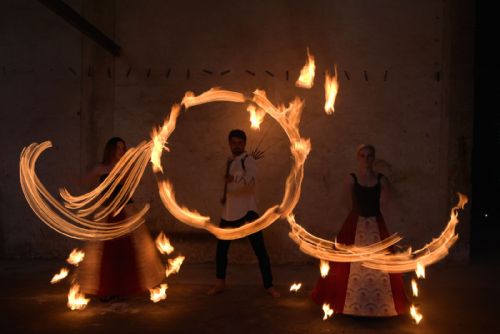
(41,100)
(414,104)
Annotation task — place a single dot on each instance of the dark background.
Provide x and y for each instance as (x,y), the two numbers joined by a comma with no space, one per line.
(485,171)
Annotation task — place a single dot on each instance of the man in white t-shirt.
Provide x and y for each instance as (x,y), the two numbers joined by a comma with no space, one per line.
(240,207)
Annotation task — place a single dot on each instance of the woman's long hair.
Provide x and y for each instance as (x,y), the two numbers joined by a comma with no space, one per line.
(110,150)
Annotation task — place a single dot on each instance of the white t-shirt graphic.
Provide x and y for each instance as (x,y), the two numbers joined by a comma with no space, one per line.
(240,196)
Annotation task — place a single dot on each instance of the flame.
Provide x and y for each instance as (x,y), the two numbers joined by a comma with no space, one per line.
(174,265)
(129,170)
(420,271)
(295,287)
(167,196)
(76,300)
(126,173)
(434,251)
(194,219)
(256,116)
(159,137)
(163,244)
(62,274)
(75,257)
(324,268)
(333,251)
(331,89)
(414,287)
(289,119)
(376,256)
(158,293)
(212,95)
(327,310)
(63,219)
(415,314)
(306,78)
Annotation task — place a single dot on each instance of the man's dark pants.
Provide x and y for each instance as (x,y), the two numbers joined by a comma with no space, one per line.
(257,242)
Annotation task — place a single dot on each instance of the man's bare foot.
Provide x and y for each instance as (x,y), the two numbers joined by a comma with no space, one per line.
(217,288)
(273,292)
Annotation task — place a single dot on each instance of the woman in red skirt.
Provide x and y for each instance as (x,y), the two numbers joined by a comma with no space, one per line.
(122,266)
(350,288)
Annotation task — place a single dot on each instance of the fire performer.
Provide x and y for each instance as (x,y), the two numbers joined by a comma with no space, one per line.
(123,266)
(240,207)
(350,288)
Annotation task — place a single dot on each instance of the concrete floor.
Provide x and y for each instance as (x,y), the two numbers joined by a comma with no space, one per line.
(454,299)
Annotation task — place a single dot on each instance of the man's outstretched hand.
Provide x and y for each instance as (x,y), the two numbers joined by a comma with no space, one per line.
(257,154)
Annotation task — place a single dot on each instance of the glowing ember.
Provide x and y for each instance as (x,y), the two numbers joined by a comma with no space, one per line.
(295,287)
(76,300)
(256,116)
(163,244)
(75,257)
(415,314)
(327,310)
(174,265)
(414,287)
(62,274)
(306,78)
(331,89)
(420,271)
(324,268)
(158,293)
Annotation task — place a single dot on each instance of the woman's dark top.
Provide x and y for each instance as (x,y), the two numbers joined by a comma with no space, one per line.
(114,193)
(366,200)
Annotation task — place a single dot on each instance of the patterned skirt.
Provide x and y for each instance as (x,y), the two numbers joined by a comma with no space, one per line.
(352,289)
